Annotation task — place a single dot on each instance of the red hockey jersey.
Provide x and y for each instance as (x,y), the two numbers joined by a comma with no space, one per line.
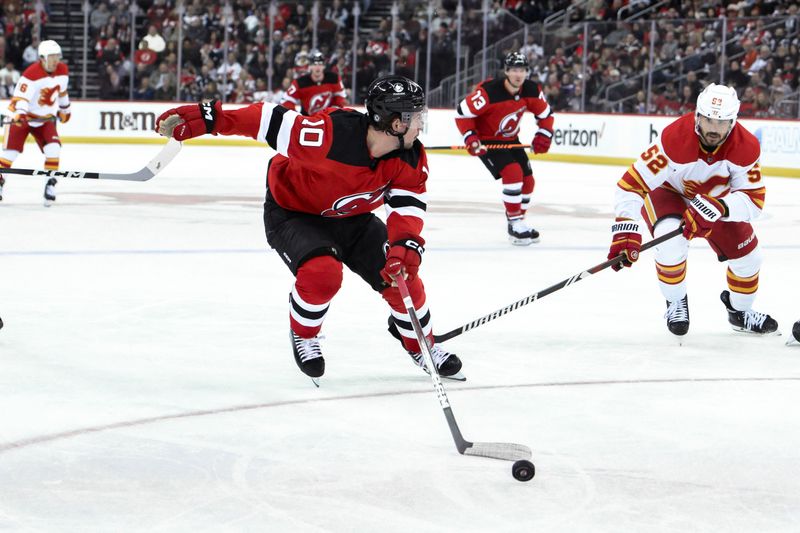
(324,167)
(494,113)
(311,96)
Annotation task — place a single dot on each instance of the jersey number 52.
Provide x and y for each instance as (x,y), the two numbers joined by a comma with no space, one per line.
(655,162)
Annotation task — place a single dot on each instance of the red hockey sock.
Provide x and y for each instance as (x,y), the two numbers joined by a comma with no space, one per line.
(318,280)
(527,191)
(512,190)
(401,317)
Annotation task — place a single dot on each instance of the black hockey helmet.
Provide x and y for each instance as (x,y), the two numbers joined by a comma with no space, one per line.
(515,59)
(315,57)
(390,97)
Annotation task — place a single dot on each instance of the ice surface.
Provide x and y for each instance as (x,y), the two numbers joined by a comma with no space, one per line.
(147,382)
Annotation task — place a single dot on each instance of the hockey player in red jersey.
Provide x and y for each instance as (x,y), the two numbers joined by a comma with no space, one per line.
(40,98)
(317,90)
(704,173)
(331,171)
(492,114)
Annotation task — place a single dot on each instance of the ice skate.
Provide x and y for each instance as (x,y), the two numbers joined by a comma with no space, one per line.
(794,338)
(50,192)
(448,364)
(308,356)
(2,182)
(520,234)
(677,316)
(748,321)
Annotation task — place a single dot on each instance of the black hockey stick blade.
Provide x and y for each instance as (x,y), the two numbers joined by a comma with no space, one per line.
(550,290)
(152,168)
(493,450)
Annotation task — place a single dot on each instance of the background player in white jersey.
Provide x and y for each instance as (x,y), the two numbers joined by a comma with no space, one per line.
(40,98)
(703,172)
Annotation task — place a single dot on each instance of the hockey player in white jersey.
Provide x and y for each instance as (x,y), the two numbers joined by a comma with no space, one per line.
(40,99)
(703,172)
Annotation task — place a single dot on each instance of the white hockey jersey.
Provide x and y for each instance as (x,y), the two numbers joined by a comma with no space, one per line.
(40,94)
(678,162)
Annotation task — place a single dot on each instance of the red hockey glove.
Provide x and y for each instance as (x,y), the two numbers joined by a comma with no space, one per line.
(64,114)
(474,146)
(404,257)
(626,241)
(189,121)
(701,215)
(541,141)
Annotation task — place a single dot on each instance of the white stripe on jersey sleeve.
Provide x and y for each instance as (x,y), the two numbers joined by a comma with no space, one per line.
(406,210)
(546,113)
(284,134)
(287,121)
(463,110)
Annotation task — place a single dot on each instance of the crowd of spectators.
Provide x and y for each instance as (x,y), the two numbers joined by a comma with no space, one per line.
(760,58)
(23,25)
(760,49)
(242,75)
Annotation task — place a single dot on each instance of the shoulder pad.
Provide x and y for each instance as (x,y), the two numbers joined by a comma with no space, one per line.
(349,144)
(304,81)
(530,89)
(330,77)
(495,90)
(411,156)
(679,140)
(742,147)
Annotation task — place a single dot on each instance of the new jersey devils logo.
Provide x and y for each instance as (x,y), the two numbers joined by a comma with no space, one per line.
(353,203)
(715,186)
(509,125)
(47,96)
(319,102)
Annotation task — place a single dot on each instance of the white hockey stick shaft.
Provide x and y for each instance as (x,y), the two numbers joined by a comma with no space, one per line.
(152,168)
(495,450)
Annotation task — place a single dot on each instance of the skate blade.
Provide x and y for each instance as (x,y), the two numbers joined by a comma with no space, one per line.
(521,242)
(48,203)
(315,381)
(458,376)
(792,342)
(776,333)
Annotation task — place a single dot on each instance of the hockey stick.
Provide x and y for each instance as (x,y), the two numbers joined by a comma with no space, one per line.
(487,146)
(152,168)
(6,119)
(550,290)
(505,451)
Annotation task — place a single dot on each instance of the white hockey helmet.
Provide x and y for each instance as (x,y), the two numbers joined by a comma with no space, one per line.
(48,48)
(718,102)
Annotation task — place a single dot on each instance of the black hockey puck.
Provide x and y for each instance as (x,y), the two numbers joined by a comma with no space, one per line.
(523,470)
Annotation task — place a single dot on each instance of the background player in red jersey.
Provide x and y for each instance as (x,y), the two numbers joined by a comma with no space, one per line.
(492,113)
(331,171)
(702,172)
(40,97)
(317,90)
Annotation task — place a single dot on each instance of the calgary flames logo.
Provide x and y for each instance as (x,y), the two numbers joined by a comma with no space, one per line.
(47,96)
(319,102)
(509,125)
(354,203)
(715,186)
